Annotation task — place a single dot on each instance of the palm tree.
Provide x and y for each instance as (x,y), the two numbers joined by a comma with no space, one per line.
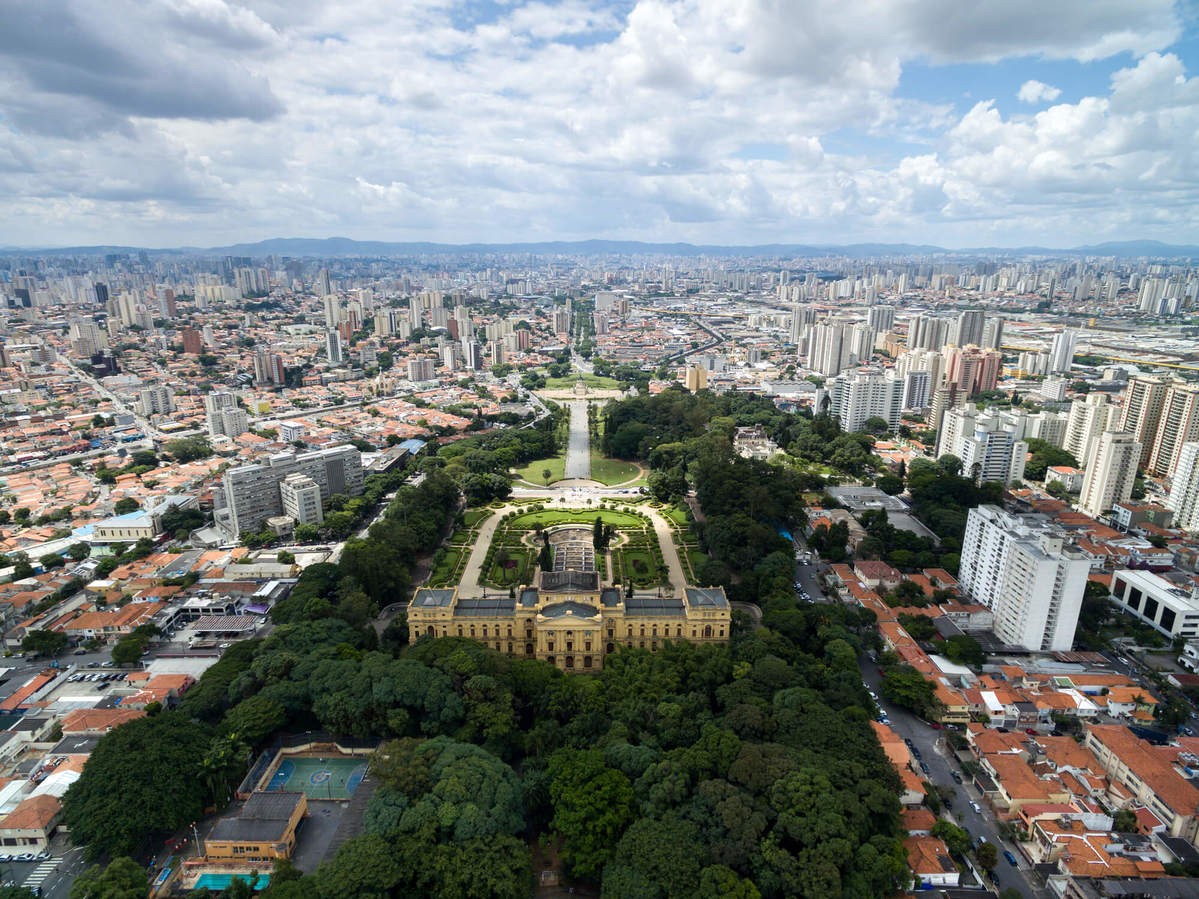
(546,474)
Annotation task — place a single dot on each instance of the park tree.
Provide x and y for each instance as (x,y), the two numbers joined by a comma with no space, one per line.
(254,719)
(49,643)
(592,806)
(114,805)
(987,855)
(123,878)
(955,838)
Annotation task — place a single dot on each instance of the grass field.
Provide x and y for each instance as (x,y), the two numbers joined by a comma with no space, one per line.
(611,471)
(639,564)
(472,517)
(596,381)
(532,471)
(548,517)
(677,515)
(448,569)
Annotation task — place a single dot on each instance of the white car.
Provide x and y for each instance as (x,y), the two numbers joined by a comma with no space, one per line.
(977,808)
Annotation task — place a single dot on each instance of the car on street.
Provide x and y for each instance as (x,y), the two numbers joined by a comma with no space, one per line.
(24,857)
(924,767)
(1011,859)
(42,856)
(79,652)
(1029,730)
(5,858)
(977,808)
(915,751)
(957,778)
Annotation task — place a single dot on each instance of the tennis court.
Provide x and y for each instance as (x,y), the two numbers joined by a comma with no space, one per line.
(319,778)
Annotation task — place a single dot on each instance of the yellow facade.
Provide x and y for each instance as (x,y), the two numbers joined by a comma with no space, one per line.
(571,621)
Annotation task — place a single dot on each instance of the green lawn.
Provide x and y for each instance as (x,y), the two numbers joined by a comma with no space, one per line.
(446,570)
(471,517)
(611,471)
(522,573)
(596,381)
(677,515)
(532,471)
(526,521)
(639,565)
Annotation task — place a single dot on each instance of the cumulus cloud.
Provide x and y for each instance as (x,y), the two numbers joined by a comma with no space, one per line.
(1036,92)
(229,120)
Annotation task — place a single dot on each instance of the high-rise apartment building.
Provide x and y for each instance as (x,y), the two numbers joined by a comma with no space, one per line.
(917,389)
(1088,419)
(881,318)
(323,286)
(992,334)
(250,494)
(1184,489)
(695,378)
(192,343)
(1178,425)
(1110,473)
(802,319)
(969,328)
(928,332)
(830,348)
(155,400)
(301,499)
(945,398)
(989,444)
(1061,353)
(333,347)
(1141,411)
(420,369)
(857,396)
(974,370)
(1024,571)
(225,418)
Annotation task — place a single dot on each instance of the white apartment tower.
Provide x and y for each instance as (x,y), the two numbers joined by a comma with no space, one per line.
(250,494)
(1110,473)
(1023,571)
(866,393)
(1184,489)
(1061,354)
(225,417)
(1088,419)
(301,498)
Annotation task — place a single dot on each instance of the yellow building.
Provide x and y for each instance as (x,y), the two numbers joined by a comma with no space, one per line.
(570,620)
(263,829)
(696,378)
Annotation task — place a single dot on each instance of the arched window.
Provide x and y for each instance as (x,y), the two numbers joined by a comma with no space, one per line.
(431,632)
(459,630)
(611,648)
(570,661)
(586,661)
(707,631)
(528,649)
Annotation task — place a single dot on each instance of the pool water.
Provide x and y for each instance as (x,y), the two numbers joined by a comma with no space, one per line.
(222,881)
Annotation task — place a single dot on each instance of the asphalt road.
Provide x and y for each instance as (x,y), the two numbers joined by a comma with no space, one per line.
(938,756)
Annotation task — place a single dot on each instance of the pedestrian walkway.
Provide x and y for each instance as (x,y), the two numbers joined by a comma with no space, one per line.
(40,873)
(578,446)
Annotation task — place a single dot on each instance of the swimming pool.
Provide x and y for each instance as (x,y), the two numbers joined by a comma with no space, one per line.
(222,881)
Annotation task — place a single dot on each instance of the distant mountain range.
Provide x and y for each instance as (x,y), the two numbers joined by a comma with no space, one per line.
(344,246)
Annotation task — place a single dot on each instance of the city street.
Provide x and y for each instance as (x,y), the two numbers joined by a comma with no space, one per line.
(936,753)
(578,448)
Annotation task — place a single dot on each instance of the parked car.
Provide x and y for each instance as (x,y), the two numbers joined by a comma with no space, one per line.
(79,652)
(915,751)
(5,858)
(977,808)
(1029,730)
(24,857)
(1011,859)
(42,856)
(924,767)
(957,778)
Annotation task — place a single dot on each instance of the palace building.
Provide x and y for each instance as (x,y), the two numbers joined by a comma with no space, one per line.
(570,619)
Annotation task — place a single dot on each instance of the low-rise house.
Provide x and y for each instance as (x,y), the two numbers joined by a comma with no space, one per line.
(930,861)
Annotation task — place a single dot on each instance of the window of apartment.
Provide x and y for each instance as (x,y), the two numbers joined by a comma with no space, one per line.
(586,661)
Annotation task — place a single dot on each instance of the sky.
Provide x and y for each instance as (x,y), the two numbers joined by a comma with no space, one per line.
(211,122)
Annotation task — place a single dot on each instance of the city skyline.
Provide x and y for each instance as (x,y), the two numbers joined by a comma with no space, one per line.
(209,123)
